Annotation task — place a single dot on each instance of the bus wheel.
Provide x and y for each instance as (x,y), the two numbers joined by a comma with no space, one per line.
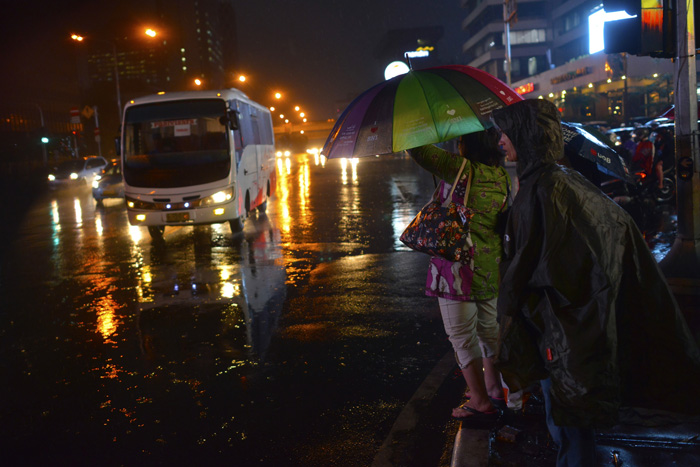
(268,188)
(156,231)
(262,207)
(247,203)
(236,225)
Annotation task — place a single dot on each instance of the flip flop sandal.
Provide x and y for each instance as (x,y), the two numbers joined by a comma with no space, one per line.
(477,415)
(498,402)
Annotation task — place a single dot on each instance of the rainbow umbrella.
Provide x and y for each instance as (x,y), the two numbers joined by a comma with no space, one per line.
(420,107)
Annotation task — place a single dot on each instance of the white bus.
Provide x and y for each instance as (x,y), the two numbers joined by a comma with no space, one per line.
(197,157)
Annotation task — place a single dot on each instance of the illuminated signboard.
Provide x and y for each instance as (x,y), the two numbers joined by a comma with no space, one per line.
(596,23)
(395,69)
(525,88)
(587,70)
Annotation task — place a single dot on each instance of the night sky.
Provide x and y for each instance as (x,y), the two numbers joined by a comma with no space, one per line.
(326,50)
(318,51)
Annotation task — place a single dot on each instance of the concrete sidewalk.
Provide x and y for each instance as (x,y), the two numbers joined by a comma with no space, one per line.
(674,443)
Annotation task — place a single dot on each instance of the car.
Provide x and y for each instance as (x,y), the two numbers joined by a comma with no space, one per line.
(109,184)
(77,171)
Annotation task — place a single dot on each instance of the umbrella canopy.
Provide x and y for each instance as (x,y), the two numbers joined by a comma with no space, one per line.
(671,112)
(580,142)
(420,107)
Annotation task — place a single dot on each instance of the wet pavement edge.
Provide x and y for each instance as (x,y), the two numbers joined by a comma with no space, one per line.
(471,445)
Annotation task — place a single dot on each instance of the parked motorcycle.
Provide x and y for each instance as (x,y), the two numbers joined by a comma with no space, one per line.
(642,198)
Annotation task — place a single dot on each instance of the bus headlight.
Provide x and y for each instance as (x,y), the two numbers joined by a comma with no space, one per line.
(218,197)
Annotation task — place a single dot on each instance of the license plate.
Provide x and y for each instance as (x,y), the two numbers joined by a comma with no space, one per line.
(177,217)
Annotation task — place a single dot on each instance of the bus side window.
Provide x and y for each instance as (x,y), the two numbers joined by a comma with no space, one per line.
(265,128)
(238,144)
(245,124)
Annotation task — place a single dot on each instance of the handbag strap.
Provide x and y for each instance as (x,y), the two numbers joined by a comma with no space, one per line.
(466,192)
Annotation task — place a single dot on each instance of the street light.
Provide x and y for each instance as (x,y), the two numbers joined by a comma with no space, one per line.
(78,38)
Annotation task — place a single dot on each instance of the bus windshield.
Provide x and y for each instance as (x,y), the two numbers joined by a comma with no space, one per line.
(176,144)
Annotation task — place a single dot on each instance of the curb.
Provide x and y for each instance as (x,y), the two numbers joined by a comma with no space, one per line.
(409,416)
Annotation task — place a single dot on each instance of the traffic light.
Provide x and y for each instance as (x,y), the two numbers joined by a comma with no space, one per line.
(650,32)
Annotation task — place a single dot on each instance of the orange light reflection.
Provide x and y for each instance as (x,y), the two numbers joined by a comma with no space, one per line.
(107,323)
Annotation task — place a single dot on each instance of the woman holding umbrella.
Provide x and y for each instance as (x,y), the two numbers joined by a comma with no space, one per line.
(467,293)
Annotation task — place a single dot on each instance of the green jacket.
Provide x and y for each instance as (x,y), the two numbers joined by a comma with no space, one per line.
(487,197)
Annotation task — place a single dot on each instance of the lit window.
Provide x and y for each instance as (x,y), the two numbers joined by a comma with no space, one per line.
(532,66)
(533,36)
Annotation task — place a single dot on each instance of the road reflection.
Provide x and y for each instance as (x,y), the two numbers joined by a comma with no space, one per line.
(220,308)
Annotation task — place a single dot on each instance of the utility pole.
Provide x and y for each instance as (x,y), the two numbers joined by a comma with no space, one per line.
(43,128)
(116,80)
(510,14)
(98,139)
(682,264)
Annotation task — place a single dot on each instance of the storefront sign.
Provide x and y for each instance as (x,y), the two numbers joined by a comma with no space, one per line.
(525,88)
(572,75)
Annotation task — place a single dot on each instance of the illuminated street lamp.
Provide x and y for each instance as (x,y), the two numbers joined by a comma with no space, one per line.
(78,38)
(278,95)
(242,78)
(198,81)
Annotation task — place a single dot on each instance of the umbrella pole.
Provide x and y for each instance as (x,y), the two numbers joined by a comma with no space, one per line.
(408,61)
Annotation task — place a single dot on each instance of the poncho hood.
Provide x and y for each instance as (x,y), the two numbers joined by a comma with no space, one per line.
(534,128)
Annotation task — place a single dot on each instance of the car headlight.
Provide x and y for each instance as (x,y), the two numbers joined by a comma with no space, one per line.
(52,177)
(96,182)
(73,176)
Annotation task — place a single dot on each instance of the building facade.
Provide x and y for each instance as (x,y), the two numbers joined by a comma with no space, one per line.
(195,47)
(550,44)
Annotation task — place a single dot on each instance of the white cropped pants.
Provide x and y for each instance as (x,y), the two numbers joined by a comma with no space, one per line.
(471,328)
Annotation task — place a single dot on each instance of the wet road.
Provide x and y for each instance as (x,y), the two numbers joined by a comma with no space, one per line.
(297,343)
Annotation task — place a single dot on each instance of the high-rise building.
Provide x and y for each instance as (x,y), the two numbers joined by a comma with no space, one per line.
(194,47)
(554,56)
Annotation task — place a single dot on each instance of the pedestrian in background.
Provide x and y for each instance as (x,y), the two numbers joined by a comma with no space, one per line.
(644,151)
(664,153)
(467,294)
(583,306)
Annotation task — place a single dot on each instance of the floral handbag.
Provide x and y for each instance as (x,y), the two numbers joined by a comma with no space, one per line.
(442,229)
